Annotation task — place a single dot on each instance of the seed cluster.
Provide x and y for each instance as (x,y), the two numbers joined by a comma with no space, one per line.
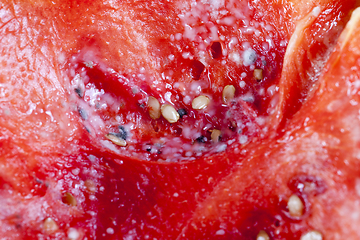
(198,103)
(173,115)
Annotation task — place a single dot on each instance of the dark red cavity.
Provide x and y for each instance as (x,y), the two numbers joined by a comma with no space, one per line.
(196,69)
(216,50)
(307,184)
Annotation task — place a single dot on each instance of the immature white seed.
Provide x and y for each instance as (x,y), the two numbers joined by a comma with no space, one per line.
(169,113)
(200,102)
(116,140)
(154,108)
(258,74)
(215,135)
(228,93)
(295,206)
(90,185)
(312,235)
(50,226)
(73,234)
(262,235)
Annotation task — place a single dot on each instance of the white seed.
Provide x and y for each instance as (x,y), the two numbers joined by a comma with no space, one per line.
(295,206)
(258,74)
(215,135)
(73,234)
(50,226)
(312,235)
(262,235)
(154,108)
(116,140)
(169,113)
(90,186)
(200,102)
(228,93)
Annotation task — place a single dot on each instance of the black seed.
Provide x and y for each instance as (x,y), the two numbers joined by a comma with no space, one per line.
(277,223)
(182,112)
(83,113)
(122,133)
(87,129)
(79,92)
(38,180)
(201,139)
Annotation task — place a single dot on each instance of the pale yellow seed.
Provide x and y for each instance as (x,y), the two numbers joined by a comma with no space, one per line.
(169,113)
(154,108)
(215,135)
(200,102)
(228,93)
(295,206)
(116,140)
(312,235)
(262,236)
(50,226)
(90,186)
(258,74)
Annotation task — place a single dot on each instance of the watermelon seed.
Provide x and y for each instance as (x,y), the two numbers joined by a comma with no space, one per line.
(258,74)
(201,139)
(116,139)
(200,102)
(312,235)
(182,112)
(215,135)
(154,108)
(50,226)
(90,186)
(169,113)
(295,206)
(79,92)
(83,113)
(122,133)
(228,93)
(262,235)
